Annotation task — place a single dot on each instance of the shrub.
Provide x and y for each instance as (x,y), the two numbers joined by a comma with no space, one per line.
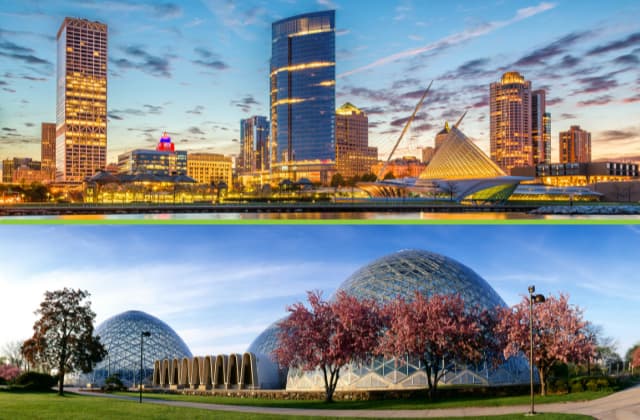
(591,385)
(33,381)
(113,383)
(559,386)
(576,386)
(9,372)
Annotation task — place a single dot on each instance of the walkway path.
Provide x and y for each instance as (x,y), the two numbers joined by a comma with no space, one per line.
(624,405)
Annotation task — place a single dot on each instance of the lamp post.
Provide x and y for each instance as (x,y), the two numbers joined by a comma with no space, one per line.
(533,298)
(143,334)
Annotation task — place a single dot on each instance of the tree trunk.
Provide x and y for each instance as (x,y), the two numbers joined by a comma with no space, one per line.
(543,385)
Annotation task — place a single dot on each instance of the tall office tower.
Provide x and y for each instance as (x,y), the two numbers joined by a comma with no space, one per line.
(546,121)
(254,145)
(303,73)
(354,157)
(510,126)
(81,111)
(575,145)
(48,150)
(540,128)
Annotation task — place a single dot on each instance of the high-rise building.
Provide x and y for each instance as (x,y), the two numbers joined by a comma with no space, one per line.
(303,93)
(48,150)
(254,145)
(11,167)
(540,128)
(575,145)
(208,168)
(81,111)
(354,157)
(510,122)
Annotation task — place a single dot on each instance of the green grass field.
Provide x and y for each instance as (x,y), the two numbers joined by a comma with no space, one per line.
(50,406)
(406,404)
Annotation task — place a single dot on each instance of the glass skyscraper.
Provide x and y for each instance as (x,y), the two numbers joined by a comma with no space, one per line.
(254,145)
(303,91)
(81,109)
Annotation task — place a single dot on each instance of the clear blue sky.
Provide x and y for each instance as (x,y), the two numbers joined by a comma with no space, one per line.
(195,68)
(220,286)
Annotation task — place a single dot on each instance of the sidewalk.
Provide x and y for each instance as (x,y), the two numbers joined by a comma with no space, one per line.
(624,405)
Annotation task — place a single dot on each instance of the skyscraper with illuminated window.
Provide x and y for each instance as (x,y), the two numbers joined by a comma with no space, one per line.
(575,145)
(510,122)
(303,95)
(254,145)
(540,128)
(81,111)
(48,150)
(354,157)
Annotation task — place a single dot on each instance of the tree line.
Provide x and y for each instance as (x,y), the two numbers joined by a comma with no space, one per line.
(437,329)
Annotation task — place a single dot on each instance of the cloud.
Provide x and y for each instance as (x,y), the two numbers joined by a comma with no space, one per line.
(596,84)
(629,41)
(233,18)
(195,130)
(29,124)
(8,129)
(616,135)
(600,100)
(140,59)
(542,55)
(454,39)
(209,60)
(24,54)
(627,60)
(328,4)
(156,10)
(196,111)
(472,69)
(554,101)
(245,103)
(121,114)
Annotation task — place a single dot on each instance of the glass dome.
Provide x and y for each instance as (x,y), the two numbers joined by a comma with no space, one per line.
(120,336)
(405,272)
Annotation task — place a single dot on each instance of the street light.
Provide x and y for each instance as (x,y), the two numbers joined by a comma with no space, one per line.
(532,299)
(143,334)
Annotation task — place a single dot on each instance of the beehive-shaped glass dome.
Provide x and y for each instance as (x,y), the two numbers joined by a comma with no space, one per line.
(120,336)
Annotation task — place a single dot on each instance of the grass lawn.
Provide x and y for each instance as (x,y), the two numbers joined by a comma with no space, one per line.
(48,406)
(406,404)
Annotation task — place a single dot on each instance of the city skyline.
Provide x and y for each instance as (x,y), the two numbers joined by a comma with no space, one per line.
(176,67)
(189,276)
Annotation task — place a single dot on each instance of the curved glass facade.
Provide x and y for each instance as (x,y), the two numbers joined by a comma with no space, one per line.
(120,336)
(303,88)
(402,274)
(405,272)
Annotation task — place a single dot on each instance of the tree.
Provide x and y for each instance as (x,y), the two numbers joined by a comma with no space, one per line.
(337,180)
(328,335)
(438,330)
(63,336)
(9,372)
(635,360)
(12,351)
(369,177)
(560,334)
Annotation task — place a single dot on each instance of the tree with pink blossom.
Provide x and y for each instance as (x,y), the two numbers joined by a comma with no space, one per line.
(328,335)
(439,330)
(560,335)
(9,372)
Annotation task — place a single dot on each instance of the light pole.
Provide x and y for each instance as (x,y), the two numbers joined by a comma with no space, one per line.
(143,334)
(532,299)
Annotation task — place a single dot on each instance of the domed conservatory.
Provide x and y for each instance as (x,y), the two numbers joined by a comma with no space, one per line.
(121,335)
(402,274)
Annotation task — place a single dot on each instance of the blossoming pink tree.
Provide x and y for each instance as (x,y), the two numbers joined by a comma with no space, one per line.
(328,335)
(9,372)
(438,330)
(559,334)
